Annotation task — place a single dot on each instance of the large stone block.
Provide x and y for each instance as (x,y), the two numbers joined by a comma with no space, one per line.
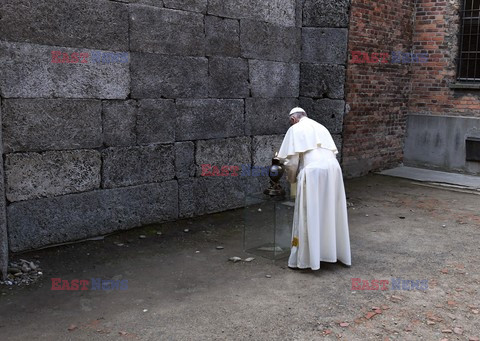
(155,121)
(157,3)
(157,76)
(3,216)
(228,78)
(338,139)
(187,5)
(256,184)
(266,116)
(89,23)
(264,149)
(325,111)
(260,40)
(223,152)
(326,13)
(184,159)
(166,31)
(27,71)
(274,79)
(222,36)
(319,80)
(281,12)
(119,120)
(189,197)
(298,12)
(198,196)
(137,165)
(41,222)
(34,175)
(324,45)
(209,119)
(51,124)
(3,240)
(140,205)
(36,223)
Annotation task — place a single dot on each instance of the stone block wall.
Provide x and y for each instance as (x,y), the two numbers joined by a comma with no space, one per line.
(323,63)
(93,146)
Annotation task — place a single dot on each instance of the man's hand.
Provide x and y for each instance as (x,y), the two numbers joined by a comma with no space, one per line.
(291,166)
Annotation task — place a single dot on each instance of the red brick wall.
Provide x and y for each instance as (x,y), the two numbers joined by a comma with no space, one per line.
(436,28)
(377,94)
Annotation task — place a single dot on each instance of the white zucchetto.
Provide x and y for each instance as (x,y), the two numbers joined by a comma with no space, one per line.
(295,110)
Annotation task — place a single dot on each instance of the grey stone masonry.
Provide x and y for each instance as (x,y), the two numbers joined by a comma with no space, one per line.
(322,81)
(325,111)
(131,166)
(338,139)
(324,45)
(35,223)
(95,24)
(222,36)
(324,58)
(119,121)
(156,30)
(223,152)
(280,12)
(198,196)
(50,124)
(35,175)
(156,3)
(264,149)
(326,13)
(188,5)
(27,71)
(3,217)
(184,159)
(156,121)
(266,116)
(158,76)
(109,107)
(274,79)
(209,119)
(228,78)
(261,40)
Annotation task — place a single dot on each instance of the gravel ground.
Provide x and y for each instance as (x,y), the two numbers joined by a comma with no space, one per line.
(181,285)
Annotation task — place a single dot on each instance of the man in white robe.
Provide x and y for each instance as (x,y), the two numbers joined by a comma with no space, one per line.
(320,223)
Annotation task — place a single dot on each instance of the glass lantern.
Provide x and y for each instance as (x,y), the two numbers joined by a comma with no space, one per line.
(268,225)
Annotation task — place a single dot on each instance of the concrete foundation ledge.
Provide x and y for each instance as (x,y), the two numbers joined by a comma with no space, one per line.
(440,142)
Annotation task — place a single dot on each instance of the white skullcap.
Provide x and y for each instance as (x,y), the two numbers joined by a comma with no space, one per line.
(295,110)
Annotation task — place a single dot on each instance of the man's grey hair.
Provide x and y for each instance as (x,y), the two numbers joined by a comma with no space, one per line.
(299,115)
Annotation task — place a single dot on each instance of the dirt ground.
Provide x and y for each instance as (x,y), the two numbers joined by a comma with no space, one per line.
(398,229)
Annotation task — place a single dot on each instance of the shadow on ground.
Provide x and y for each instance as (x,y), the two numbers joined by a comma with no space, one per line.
(176,293)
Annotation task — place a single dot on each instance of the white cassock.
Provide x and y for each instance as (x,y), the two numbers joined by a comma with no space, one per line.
(320,223)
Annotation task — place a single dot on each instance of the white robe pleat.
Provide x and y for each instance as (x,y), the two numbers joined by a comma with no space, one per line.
(320,219)
(320,225)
